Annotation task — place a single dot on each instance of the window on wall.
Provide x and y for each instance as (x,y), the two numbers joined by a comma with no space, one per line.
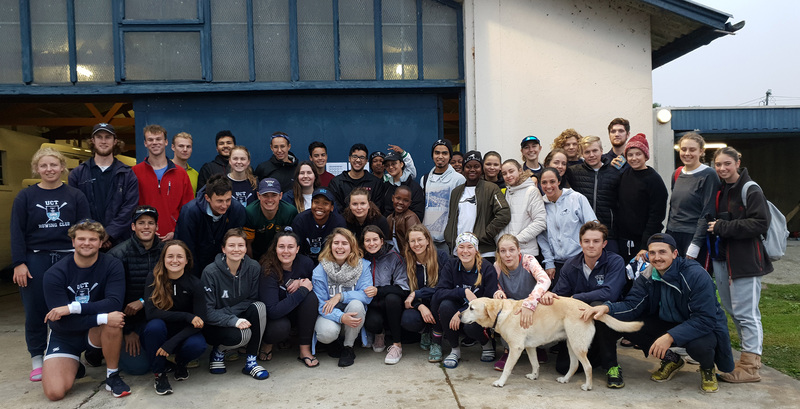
(94,41)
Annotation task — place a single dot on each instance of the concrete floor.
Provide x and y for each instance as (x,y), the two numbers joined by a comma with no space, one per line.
(413,383)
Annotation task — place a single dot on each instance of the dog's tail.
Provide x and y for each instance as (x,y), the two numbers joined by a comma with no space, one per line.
(620,326)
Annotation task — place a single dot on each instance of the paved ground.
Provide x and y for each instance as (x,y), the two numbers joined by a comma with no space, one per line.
(413,383)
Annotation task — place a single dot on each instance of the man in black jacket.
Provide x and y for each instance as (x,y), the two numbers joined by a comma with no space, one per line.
(596,179)
(345,182)
(138,255)
(225,142)
(282,164)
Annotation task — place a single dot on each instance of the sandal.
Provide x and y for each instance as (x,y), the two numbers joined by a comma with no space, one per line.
(307,360)
(487,355)
(264,355)
(451,361)
(625,343)
(36,375)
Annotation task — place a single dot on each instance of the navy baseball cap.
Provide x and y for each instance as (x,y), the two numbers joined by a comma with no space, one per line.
(529,138)
(102,126)
(269,185)
(321,191)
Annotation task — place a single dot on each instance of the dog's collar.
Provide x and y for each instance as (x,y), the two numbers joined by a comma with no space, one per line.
(497,317)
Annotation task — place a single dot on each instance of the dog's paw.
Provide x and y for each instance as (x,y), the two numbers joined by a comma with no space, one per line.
(562,379)
(532,376)
(498,383)
(586,387)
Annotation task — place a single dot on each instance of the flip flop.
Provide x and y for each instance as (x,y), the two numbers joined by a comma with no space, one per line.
(36,375)
(265,355)
(306,360)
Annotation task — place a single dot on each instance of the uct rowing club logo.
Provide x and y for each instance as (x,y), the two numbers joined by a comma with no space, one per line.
(52,209)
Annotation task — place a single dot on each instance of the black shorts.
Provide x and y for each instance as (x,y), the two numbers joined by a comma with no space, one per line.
(67,345)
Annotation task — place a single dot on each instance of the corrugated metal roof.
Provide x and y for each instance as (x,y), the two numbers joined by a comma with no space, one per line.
(767,119)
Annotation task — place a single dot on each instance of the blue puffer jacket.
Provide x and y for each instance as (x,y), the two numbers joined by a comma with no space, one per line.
(123,196)
(694,297)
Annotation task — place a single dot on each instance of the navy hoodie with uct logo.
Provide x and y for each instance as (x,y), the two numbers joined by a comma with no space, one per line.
(99,289)
(228,295)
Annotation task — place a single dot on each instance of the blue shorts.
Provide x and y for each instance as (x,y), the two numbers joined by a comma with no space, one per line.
(67,345)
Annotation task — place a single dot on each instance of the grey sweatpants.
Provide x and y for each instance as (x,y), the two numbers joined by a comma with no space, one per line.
(740,299)
(328,331)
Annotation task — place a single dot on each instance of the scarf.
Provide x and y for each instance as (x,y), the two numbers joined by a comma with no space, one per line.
(344,275)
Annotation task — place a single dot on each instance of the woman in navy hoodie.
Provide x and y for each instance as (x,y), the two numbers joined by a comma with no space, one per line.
(175,305)
(287,291)
(389,277)
(463,279)
(40,218)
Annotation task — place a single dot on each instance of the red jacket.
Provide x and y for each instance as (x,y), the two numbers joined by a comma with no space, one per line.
(174,191)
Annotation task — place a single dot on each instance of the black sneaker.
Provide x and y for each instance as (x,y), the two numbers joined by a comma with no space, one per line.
(117,386)
(81,371)
(335,349)
(181,373)
(614,379)
(93,357)
(348,357)
(162,384)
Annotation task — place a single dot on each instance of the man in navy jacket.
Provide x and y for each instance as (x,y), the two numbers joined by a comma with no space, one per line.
(204,221)
(84,294)
(593,276)
(110,185)
(677,301)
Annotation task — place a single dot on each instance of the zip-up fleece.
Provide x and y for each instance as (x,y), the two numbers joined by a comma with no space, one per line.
(228,295)
(493,215)
(565,217)
(527,215)
(600,187)
(167,196)
(741,235)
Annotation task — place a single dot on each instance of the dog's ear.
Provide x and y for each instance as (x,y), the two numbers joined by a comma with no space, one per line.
(490,307)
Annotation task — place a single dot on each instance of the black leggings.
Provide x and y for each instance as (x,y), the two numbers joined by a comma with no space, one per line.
(304,316)
(447,309)
(700,349)
(385,314)
(231,337)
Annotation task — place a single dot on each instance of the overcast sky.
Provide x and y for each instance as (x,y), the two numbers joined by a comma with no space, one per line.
(738,69)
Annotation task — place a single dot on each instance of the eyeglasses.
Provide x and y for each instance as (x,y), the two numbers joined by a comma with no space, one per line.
(358,157)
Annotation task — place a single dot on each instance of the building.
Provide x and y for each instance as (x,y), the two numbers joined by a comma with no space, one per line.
(482,73)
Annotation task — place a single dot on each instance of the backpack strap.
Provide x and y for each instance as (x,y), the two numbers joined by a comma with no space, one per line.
(676,174)
(744,191)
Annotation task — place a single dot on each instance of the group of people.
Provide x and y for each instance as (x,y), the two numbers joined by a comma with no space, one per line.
(241,260)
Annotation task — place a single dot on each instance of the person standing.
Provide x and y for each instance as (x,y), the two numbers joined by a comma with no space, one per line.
(618,132)
(182,147)
(110,186)
(282,164)
(693,188)
(342,185)
(642,201)
(531,147)
(318,154)
(243,182)
(40,218)
(740,259)
(438,185)
(526,206)
(225,141)
(162,184)
(570,141)
(477,207)
(397,174)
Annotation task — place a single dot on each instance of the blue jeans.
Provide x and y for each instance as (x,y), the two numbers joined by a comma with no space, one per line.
(155,334)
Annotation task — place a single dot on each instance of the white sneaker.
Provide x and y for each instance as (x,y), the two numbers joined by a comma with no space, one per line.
(394,355)
(379,344)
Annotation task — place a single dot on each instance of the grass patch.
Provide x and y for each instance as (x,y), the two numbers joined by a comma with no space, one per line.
(780,316)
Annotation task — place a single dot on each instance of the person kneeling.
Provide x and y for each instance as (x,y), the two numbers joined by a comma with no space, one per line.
(676,299)
(235,316)
(175,306)
(84,293)
(343,284)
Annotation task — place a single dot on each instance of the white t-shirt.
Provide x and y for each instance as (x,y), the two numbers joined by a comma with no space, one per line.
(467,210)
(307,201)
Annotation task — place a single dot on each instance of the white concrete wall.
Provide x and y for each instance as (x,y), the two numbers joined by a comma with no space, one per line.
(541,66)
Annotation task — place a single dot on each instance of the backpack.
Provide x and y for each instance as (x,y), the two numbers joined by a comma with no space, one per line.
(775,239)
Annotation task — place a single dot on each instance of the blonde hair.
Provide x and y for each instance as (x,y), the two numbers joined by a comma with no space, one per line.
(506,237)
(248,171)
(355,251)
(430,259)
(184,135)
(87,225)
(693,136)
(41,153)
(590,139)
